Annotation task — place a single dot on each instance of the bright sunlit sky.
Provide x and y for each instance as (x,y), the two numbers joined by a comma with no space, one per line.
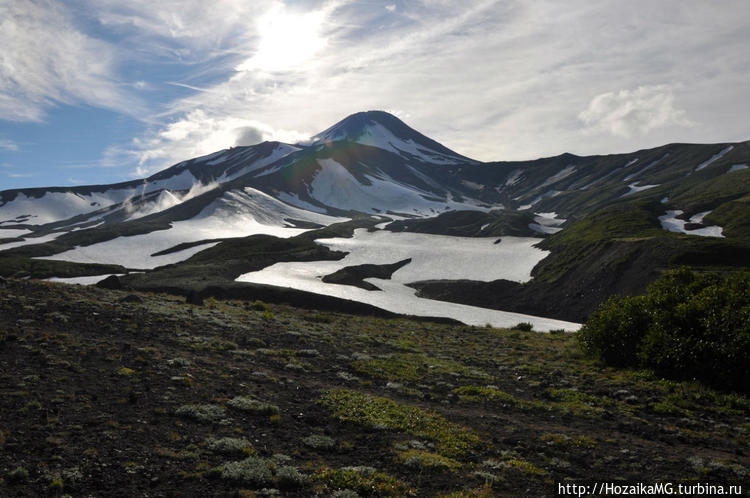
(98,91)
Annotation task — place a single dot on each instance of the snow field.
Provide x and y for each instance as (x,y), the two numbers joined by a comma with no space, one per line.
(433,257)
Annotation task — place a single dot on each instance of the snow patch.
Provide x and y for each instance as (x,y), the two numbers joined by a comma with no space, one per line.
(334,186)
(91,280)
(546,223)
(219,159)
(643,170)
(184,180)
(714,158)
(635,188)
(601,178)
(209,157)
(377,135)
(294,200)
(472,185)
(235,214)
(543,229)
(433,257)
(560,175)
(547,195)
(279,152)
(737,167)
(514,177)
(9,233)
(262,208)
(672,223)
(56,206)
(31,240)
(698,218)
(167,199)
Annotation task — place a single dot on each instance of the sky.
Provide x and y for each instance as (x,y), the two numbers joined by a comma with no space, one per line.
(100,91)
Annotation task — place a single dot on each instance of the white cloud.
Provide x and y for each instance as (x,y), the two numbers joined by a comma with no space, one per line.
(8,145)
(47,60)
(630,112)
(195,134)
(183,31)
(491,79)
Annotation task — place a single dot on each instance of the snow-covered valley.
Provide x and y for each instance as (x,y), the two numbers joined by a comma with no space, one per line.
(433,257)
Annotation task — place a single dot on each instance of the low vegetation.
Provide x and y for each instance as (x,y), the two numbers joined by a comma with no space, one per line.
(687,326)
(383,413)
(151,396)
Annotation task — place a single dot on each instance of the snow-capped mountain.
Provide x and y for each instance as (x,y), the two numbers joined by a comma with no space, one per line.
(385,131)
(369,162)
(600,215)
(373,163)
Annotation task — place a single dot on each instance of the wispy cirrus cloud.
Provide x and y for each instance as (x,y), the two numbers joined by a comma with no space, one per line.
(491,79)
(46,60)
(274,53)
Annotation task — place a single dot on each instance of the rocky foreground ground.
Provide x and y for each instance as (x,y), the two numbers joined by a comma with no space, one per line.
(110,393)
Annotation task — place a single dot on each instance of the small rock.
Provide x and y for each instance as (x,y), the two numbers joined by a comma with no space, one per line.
(111,282)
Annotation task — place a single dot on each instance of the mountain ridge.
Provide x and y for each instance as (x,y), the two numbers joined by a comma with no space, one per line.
(376,171)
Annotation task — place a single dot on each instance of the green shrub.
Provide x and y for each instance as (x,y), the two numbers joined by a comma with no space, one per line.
(251,405)
(252,470)
(362,481)
(319,442)
(424,460)
(289,477)
(615,331)
(524,326)
(478,393)
(687,326)
(202,413)
(229,446)
(563,441)
(259,305)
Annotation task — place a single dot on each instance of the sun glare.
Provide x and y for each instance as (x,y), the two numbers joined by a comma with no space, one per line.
(287,40)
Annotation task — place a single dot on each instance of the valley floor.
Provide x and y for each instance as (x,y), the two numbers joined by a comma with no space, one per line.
(107,393)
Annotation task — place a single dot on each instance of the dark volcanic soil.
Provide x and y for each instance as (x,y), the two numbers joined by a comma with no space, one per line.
(356,275)
(96,388)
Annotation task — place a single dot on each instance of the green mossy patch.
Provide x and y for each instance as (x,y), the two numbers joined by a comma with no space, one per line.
(377,412)
(412,366)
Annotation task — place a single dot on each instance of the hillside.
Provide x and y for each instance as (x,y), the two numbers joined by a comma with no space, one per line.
(135,394)
(543,241)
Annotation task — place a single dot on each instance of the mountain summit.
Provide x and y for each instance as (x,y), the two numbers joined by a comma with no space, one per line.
(610,223)
(386,131)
